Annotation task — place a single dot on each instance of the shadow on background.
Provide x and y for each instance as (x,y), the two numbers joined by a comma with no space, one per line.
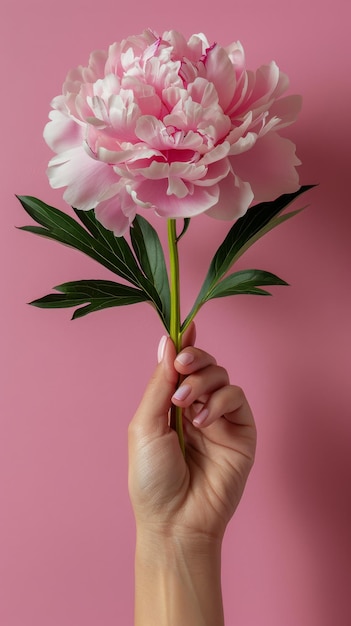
(317,458)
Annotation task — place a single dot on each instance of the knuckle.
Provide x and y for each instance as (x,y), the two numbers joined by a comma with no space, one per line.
(133,429)
(222,373)
(239,394)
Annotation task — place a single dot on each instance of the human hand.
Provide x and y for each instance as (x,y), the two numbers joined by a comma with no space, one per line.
(195,496)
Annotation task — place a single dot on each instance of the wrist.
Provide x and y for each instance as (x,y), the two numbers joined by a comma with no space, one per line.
(160,546)
(178,579)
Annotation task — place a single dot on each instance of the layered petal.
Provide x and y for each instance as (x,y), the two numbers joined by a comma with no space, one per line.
(220,72)
(196,201)
(235,197)
(86,180)
(180,126)
(117,213)
(62,132)
(269,166)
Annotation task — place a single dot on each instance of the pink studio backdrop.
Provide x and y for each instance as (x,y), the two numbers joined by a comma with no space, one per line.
(69,389)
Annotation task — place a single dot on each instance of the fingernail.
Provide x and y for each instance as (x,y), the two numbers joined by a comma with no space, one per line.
(185,358)
(182,392)
(201,417)
(161,348)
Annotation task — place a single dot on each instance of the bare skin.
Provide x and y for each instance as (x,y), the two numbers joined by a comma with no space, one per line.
(182,506)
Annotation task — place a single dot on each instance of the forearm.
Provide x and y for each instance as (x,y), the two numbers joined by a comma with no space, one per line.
(177,581)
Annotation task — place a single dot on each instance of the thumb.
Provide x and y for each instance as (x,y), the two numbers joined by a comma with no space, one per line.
(151,416)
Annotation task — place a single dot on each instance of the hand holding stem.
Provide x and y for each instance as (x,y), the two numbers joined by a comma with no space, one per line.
(182,506)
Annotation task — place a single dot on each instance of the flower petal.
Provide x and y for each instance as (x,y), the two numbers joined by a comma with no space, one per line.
(62,132)
(286,109)
(178,125)
(269,166)
(235,197)
(117,213)
(198,200)
(86,179)
(220,71)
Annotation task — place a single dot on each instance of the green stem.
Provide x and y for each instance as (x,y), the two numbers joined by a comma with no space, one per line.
(175,331)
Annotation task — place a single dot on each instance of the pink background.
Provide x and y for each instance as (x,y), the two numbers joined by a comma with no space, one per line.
(69,389)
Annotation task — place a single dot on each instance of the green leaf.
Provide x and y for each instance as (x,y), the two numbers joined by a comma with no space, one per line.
(155,290)
(57,301)
(99,294)
(149,252)
(97,242)
(63,228)
(185,228)
(37,230)
(100,288)
(118,246)
(256,222)
(89,220)
(245,281)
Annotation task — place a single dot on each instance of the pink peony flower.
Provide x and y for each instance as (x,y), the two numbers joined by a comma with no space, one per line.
(177,126)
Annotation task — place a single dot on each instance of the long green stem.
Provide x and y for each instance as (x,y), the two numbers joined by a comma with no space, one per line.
(175,332)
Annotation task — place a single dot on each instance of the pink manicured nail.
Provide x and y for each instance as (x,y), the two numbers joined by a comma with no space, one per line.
(161,348)
(185,358)
(182,392)
(201,417)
